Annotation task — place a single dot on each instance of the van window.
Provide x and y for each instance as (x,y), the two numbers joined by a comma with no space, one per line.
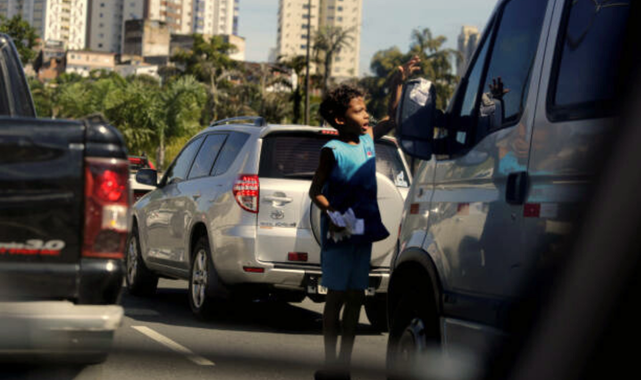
(234,144)
(506,83)
(590,49)
(207,155)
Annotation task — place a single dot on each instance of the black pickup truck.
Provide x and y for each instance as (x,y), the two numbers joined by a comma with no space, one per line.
(64,219)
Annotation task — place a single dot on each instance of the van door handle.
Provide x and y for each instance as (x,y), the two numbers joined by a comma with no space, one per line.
(517,188)
(282,200)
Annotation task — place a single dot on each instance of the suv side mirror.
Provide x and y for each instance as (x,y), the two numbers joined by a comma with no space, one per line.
(416,117)
(147,177)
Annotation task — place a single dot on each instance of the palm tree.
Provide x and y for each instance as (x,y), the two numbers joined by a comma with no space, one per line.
(298,65)
(435,62)
(328,43)
(209,62)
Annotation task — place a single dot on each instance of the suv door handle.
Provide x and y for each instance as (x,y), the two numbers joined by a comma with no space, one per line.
(517,188)
(283,200)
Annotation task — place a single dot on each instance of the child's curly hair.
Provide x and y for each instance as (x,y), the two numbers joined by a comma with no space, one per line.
(336,102)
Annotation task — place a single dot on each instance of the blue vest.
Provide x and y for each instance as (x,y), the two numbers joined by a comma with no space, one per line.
(352,183)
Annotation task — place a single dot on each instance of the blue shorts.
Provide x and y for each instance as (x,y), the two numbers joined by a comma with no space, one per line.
(346,266)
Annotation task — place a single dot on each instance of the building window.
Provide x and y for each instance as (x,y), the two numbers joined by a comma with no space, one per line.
(99,45)
(304,36)
(303,46)
(340,9)
(339,19)
(102,5)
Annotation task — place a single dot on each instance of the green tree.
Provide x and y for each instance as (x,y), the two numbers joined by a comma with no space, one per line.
(328,43)
(297,64)
(210,63)
(436,63)
(23,34)
(435,66)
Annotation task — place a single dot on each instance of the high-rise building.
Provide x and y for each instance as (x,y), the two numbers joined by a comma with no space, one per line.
(99,24)
(206,17)
(56,20)
(467,42)
(296,19)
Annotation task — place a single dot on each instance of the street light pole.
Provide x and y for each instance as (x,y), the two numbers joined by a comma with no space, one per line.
(309,32)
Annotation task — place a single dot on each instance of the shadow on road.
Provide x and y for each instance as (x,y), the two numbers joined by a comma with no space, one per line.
(171,306)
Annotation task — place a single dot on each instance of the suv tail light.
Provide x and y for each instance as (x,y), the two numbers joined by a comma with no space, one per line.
(246,191)
(106,207)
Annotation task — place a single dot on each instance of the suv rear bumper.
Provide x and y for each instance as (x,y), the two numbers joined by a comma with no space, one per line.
(234,252)
(291,277)
(56,327)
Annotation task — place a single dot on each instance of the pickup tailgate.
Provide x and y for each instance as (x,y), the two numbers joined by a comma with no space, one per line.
(41,207)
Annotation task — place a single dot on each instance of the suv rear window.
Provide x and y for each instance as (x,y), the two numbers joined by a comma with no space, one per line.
(296,155)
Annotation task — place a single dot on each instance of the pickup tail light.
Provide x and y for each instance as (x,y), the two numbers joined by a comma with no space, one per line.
(246,191)
(106,207)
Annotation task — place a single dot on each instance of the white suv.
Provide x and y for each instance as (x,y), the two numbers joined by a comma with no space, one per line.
(233,216)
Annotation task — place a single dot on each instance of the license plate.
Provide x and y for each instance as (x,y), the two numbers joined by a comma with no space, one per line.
(314,285)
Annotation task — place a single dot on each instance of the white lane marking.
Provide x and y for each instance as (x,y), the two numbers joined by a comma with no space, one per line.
(173,345)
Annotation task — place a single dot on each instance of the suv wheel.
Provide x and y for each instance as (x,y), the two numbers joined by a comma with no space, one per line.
(376,310)
(413,330)
(202,278)
(140,280)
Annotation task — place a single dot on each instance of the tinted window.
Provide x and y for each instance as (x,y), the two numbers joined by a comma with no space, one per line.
(466,120)
(207,156)
(19,88)
(589,54)
(511,61)
(4,102)
(295,156)
(290,156)
(178,170)
(234,144)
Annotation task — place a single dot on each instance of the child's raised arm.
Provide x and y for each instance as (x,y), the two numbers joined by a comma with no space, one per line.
(402,73)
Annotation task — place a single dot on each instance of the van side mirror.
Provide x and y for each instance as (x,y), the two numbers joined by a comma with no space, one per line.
(416,117)
(147,177)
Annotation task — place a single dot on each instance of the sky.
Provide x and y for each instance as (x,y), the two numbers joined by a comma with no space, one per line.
(386,23)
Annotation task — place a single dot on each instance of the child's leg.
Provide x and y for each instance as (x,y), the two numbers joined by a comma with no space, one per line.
(353,302)
(331,323)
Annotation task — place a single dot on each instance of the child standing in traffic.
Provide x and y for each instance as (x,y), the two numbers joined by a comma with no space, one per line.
(346,179)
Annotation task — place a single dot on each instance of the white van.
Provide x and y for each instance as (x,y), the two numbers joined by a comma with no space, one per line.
(504,167)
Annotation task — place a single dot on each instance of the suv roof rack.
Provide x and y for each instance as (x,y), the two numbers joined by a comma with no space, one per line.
(256,120)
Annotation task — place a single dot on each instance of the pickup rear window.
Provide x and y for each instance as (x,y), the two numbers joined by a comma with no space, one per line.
(295,156)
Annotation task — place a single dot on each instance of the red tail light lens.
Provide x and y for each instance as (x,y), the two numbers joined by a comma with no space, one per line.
(297,256)
(106,207)
(246,191)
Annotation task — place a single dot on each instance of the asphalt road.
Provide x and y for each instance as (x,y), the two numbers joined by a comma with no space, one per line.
(161,339)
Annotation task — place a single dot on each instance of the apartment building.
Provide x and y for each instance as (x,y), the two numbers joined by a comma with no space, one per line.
(83,62)
(105,24)
(55,20)
(206,17)
(296,19)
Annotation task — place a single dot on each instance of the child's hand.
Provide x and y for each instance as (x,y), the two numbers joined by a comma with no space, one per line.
(406,70)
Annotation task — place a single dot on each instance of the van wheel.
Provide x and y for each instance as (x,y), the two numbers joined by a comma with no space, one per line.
(202,279)
(140,280)
(413,331)
(376,310)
